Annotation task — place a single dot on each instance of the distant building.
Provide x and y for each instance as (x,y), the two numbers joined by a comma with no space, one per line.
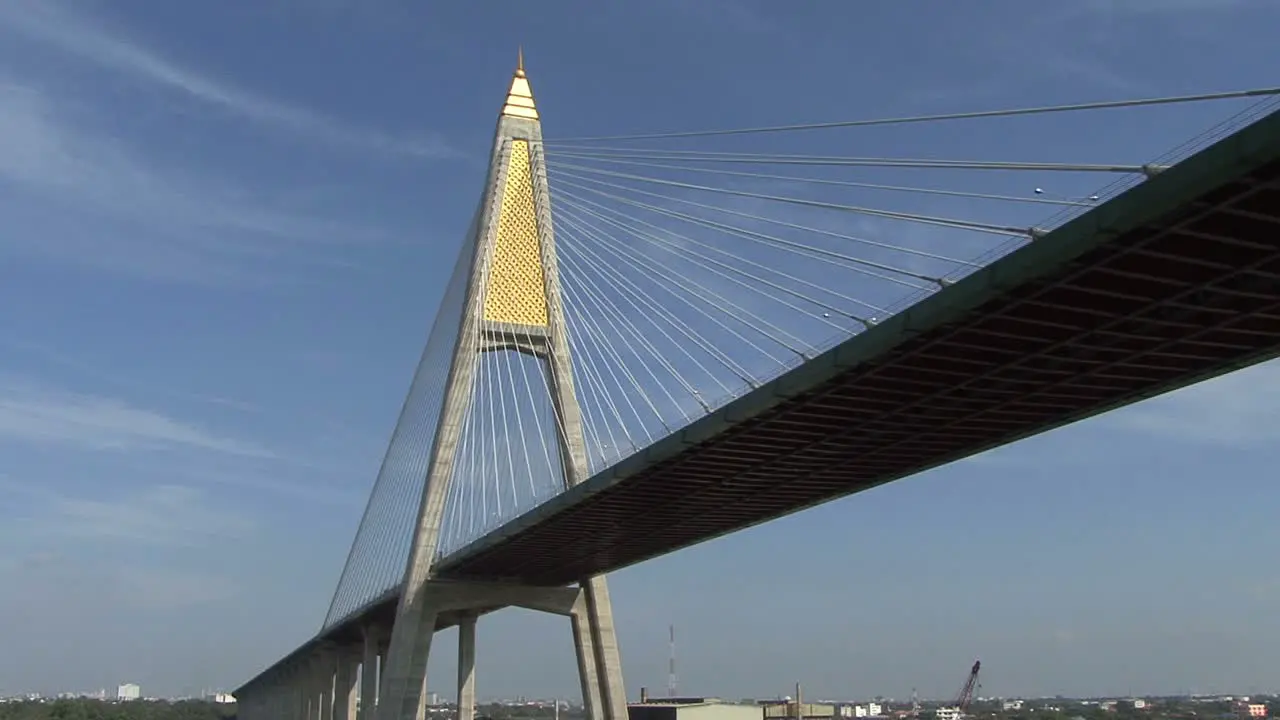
(947,713)
(784,709)
(692,709)
(1012,705)
(869,710)
(1251,710)
(128,691)
(221,698)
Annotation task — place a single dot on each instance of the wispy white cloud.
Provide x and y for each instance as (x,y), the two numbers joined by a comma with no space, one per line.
(164,515)
(185,226)
(55,24)
(37,415)
(92,370)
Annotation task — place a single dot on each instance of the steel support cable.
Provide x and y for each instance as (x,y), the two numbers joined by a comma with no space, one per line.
(461,471)
(601,337)
(595,381)
(854,263)
(418,453)
(701,343)
(478,499)
(783,223)
(841,183)
(602,387)
(694,288)
(451,526)
(458,478)
(752,263)
(505,426)
(473,488)
(640,261)
(468,477)
(972,115)
(571,293)
(465,475)
(602,341)
(354,582)
(648,346)
(521,358)
(634,292)
(494,450)
(693,393)
(675,249)
(421,445)
(585,361)
(462,474)
(509,357)
(533,408)
(610,311)
(682,327)
(705,156)
(482,390)
(597,442)
(584,388)
(892,215)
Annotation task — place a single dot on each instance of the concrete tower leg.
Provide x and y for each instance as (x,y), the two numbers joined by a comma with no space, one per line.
(585,650)
(346,693)
(368,673)
(573,450)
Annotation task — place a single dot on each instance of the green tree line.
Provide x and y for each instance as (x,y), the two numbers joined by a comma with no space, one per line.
(88,709)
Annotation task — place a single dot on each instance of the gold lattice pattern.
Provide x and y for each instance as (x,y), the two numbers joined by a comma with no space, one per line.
(516,293)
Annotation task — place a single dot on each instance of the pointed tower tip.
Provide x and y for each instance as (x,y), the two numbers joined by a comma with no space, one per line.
(520,97)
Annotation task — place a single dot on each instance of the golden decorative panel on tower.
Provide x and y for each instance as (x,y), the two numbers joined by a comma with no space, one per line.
(516,292)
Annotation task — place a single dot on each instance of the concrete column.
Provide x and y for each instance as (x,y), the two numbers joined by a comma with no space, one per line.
(421,712)
(369,674)
(613,694)
(467,668)
(278,709)
(346,693)
(384,648)
(299,690)
(585,652)
(324,684)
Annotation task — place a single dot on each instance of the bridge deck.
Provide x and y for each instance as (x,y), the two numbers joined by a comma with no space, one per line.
(1172,282)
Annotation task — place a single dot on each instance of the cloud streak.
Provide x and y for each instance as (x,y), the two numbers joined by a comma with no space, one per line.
(34,415)
(183,227)
(48,22)
(165,515)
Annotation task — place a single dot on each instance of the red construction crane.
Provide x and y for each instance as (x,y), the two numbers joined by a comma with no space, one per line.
(970,686)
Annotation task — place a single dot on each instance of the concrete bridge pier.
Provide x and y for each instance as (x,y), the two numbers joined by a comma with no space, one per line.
(467,667)
(447,603)
(346,693)
(372,653)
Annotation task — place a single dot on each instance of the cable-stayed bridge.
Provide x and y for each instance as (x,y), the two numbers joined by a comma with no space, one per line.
(648,341)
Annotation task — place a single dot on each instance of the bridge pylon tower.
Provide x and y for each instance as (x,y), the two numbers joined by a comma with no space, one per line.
(513,303)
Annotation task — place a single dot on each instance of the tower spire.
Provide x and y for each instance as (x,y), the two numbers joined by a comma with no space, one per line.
(520,97)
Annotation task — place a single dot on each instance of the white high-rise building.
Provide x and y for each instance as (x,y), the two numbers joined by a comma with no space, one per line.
(128,691)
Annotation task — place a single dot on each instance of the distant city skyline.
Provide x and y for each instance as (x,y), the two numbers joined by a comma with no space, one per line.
(226,227)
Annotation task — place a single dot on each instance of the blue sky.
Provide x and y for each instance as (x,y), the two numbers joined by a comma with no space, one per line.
(226,229)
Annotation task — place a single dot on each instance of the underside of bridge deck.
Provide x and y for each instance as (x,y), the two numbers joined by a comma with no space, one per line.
(1174,281)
